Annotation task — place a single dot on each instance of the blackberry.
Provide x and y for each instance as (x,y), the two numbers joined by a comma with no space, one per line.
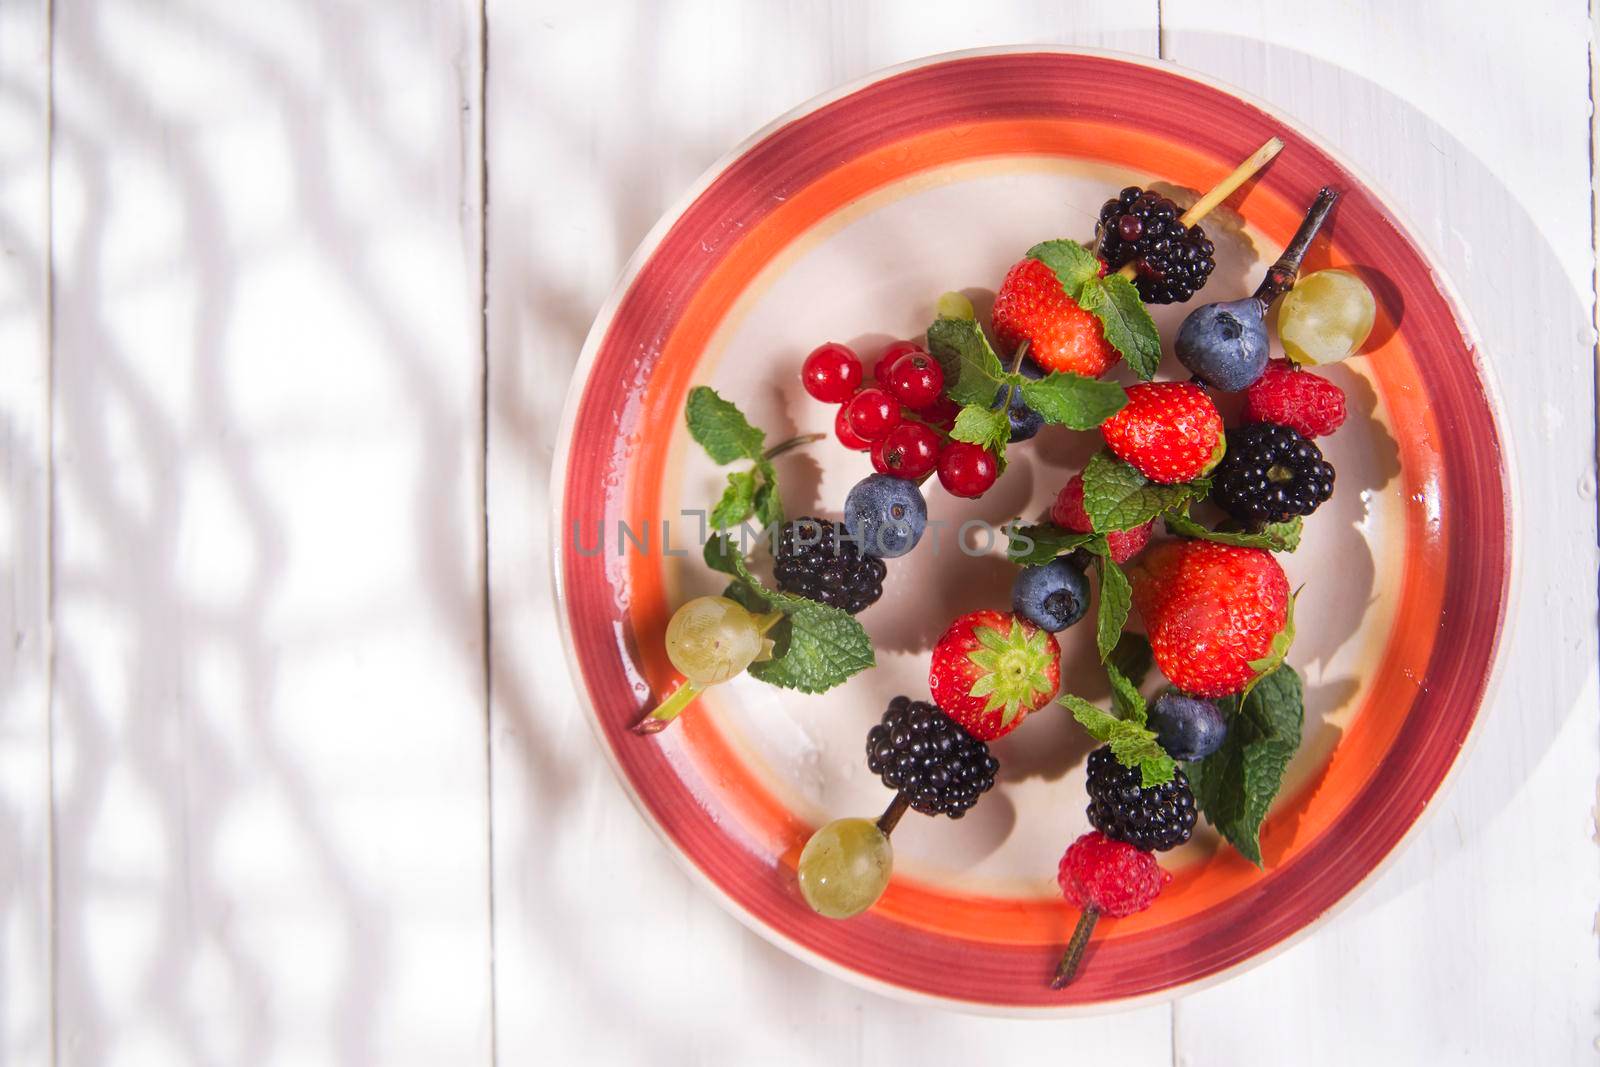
(1144,228)
(925,754)
(1270,473)
(1153,819)
(814,561)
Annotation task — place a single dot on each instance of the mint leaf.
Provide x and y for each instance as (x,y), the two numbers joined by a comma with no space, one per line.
(720,427)
(1132,743)
(1072,263)
(986,427)
(1132,657)
(1274,537)
(1235,785)
(1125,696)
(718,553)
(768,504)
(1117,497)
(738,500)
(1032,546)
(753,601)
(1116,598)
(1130,329)
(815,647)
(1277,651)
(972,372)
(1100,723)
(1072,400)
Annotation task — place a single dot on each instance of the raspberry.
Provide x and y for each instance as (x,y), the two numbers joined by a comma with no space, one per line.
(1069,514)
(1103,877)
(1270,474)
(814,561)
(926,755)
(1143,228)
(1298,399)
(1154,819)
(1112,877)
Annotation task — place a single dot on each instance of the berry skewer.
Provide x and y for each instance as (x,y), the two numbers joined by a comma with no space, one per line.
(1225,345)
(1166,255)
(1100,876)
(934,766)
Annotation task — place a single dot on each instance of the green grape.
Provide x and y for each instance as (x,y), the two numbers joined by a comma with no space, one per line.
(845,867)
(955,306)
(1325,317)
(711,638)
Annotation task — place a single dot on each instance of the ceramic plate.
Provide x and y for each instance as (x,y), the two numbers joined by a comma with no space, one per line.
(844,221)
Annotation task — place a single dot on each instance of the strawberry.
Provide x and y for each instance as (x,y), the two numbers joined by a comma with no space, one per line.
(1069,514)
(991,669)
(1218,616)
(1033,307)
(1169,431)
(1295,398)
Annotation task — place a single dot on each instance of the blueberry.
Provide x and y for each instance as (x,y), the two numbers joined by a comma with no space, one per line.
(1025,422)
(885,515)
(1187,727)
(1052,597)
(1225,345)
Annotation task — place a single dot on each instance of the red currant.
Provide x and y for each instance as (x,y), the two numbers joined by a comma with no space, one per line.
(847,436)
(891,355)
(941,413)
(872,413)
(831,373)
(967,470)
(908,451)
(916,379)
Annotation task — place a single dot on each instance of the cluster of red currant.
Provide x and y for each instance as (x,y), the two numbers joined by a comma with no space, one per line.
(903,420)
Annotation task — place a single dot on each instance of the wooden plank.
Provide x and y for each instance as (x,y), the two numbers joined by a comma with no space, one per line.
(1477,945)
(270,774)
(600,116)
(25,903)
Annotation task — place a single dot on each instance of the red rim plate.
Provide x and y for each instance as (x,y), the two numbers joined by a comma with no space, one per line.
(827,155)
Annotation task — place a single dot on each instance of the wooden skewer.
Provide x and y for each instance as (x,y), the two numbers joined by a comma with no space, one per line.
(1222,190)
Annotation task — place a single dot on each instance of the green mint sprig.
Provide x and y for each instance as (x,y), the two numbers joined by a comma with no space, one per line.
(1236,785)
(1132,742)
(815,647)
(1038,544)
(1117,497)
(727,436)
(1274,537)
(977,378)
(1116,600)
(1114,300)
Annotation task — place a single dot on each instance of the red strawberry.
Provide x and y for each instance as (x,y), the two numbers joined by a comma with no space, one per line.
(1169,431)
(989,670)
(1211,611)
(1295,398)
(1069,514)
(1033,307)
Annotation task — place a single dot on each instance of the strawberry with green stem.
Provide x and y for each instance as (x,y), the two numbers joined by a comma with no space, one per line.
(990,669)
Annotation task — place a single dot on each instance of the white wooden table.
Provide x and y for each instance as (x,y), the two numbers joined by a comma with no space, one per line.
(291,770)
